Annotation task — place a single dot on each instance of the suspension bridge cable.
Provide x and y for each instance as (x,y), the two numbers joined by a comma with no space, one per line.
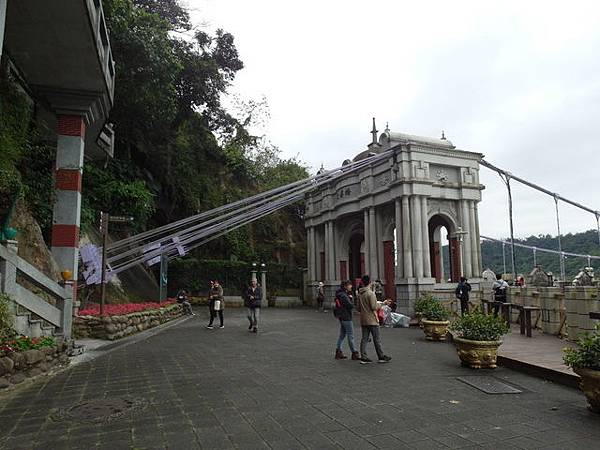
(541,249)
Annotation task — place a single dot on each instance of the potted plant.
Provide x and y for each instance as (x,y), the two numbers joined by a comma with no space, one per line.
(585,362)
(478,339)
(435,321)
(420,306)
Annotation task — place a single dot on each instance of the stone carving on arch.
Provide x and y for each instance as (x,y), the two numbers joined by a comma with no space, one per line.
(444,208)
(388,225)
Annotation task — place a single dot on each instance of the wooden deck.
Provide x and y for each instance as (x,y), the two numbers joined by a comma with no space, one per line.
(540,354)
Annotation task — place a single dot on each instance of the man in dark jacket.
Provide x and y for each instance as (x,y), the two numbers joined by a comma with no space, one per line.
(462,293)
(252,301)
(343,311)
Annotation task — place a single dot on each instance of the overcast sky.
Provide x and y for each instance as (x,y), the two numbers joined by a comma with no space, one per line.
(515,80)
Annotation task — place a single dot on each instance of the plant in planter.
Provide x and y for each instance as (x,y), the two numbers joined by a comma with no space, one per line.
(421,304)
(585,362)
(435,321)
(478,339)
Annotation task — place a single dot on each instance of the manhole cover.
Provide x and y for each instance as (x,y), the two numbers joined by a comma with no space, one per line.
(489,385)
(100,410)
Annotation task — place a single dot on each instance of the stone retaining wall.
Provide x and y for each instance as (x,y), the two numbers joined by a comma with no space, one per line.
(574,302)
(116,327)
(16,367)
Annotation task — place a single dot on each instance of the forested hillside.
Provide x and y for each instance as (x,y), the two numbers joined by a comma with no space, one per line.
(583,243)
(178,151)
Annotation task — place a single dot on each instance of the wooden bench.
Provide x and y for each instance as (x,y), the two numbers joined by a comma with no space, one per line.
(525,318)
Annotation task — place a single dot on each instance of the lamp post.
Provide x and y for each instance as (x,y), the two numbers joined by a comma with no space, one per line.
(460,233)
(253,276)
(263,282)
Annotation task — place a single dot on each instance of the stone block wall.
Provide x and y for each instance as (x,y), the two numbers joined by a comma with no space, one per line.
(580,301)
(550,300)
(16,367)
(116,327)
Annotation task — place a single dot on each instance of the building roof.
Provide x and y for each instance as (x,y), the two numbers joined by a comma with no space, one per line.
(413,139)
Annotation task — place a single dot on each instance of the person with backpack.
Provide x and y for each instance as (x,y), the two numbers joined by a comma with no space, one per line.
(216,304)
(252,301)
(462,293)
(369,322)
(343,312)
(183,299)
(499,288)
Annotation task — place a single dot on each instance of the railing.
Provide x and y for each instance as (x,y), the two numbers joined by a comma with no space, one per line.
(12,265)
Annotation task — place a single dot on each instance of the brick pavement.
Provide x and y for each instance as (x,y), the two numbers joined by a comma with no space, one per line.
(282,389)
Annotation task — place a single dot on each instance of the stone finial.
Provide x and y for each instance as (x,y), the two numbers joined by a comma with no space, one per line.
(387,127)
(374,133)
(443,138)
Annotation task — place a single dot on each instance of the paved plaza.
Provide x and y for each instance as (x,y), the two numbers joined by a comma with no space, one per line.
(281,389)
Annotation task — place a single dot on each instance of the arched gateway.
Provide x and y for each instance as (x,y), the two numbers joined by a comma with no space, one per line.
(388,219)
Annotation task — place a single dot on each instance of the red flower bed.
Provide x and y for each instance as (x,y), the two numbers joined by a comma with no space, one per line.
(93,309)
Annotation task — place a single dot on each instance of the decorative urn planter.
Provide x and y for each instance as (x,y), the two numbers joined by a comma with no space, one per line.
(477,354)
(590,385)
(435,330)
(419,317)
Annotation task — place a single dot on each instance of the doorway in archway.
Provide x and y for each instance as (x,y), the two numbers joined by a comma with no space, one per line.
(440,229)
(356,256)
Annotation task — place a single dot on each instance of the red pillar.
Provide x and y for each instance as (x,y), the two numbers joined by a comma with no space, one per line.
(389,269)
(455,261)
(322,266)
(343,270)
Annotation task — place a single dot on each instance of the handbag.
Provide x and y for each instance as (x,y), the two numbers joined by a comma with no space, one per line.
(217,305)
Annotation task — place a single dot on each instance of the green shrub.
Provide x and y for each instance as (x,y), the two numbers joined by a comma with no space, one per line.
(423,302)
(477,326)
(587,355)
(6,317)
(435,310)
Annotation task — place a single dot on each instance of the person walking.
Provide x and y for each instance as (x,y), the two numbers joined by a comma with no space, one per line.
(216,304)
(462,293)
(369,322)
(252,301)
(183,298)
(320,296)
(343,311)
(499,288)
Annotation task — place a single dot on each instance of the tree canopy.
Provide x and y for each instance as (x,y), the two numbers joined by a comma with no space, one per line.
(178,150)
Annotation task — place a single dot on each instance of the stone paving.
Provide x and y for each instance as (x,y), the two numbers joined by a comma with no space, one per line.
(282,389)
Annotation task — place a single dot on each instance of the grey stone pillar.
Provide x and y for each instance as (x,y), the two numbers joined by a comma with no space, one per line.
(263,282)
(367,241)
(373,244)
(2,22)
(478,248)
(425,236)
(399,246)
(417,238)
(8,271)
(476,268)
(326,251)
(309,250)
(406,239)
(332,253)
(467,255)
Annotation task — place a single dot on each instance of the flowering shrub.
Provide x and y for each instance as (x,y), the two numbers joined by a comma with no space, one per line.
(24,343)
(93,309)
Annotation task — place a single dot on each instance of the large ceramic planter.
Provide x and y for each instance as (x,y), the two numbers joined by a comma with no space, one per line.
(477,354)
(435,330)
(590,385)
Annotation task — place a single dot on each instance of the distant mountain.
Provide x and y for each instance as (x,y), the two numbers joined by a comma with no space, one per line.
(585,243)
